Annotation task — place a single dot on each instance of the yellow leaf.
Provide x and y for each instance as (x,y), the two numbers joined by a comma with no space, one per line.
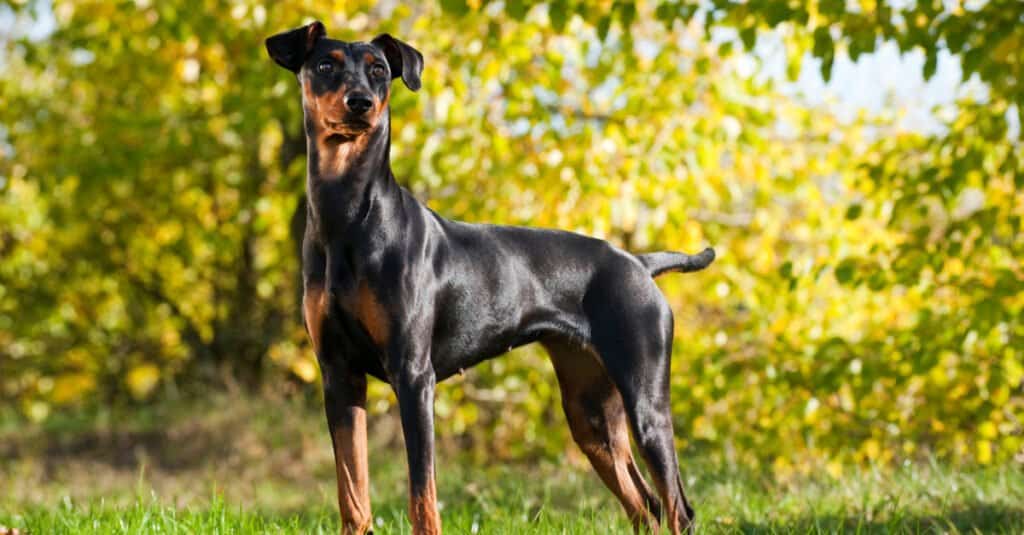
(305,369)
(872,449)
(142,380)
(72,387)
(984,452)
(988,430)
(36,411)
(834,469)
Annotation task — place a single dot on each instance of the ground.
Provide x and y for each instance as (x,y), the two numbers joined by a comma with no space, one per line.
(254,466)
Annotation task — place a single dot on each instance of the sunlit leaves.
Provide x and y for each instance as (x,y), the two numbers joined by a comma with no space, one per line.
(866,303)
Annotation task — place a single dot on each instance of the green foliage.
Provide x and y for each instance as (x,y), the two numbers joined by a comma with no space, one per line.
(866,305)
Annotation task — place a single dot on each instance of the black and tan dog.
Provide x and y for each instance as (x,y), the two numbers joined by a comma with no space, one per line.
(395,291)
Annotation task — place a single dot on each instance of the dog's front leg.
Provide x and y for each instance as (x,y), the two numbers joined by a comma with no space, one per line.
(345,401)
(414,381)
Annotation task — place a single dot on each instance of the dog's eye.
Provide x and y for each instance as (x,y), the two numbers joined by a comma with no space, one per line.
(378,70)
(325,67)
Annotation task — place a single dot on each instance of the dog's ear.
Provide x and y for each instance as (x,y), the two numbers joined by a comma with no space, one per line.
(289,49)
(403,60)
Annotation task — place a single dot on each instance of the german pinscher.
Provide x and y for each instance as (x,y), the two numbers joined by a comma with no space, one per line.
(395,291)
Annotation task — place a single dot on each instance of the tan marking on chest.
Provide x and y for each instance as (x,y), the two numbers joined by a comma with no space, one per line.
(366,307)
(314,307)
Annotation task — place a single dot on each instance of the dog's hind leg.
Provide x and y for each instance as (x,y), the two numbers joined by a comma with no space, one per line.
(598,423)
(631,325)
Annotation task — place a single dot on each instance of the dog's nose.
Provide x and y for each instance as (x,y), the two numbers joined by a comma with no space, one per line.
(358,102)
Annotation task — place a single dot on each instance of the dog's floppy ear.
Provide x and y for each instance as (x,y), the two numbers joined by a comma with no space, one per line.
(403,60)
(289,49)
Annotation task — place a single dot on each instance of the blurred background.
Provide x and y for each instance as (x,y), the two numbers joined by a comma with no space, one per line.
(857,164)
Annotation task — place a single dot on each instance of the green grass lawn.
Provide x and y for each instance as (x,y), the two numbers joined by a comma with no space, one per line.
(922,500)
(177,473)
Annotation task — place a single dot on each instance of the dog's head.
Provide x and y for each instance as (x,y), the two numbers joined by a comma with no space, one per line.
(345,86)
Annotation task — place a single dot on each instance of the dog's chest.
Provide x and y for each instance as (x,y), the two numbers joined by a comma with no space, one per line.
(363,306)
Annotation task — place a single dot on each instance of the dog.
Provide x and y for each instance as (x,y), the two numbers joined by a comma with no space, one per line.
(394,291)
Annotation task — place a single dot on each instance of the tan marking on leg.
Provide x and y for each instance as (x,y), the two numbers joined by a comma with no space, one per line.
(314,307)
(650,498)
(423,511)
(352,468)
(598,424)
(675,515)
(612,463)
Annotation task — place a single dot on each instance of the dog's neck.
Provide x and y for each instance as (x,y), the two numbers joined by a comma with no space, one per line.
(348,176)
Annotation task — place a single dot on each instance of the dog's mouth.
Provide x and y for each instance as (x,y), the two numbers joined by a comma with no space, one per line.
(348,126)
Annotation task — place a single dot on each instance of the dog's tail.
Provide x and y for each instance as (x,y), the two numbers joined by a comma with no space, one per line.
(658,263)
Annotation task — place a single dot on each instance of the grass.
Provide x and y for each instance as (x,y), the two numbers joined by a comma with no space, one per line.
(922,500)
(258,466)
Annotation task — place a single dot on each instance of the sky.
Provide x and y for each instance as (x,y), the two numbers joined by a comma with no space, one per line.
(885,80)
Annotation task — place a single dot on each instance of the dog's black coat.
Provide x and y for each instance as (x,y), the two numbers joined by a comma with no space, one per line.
(412,298)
